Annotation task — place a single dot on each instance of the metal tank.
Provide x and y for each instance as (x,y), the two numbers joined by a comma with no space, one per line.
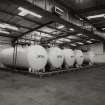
(69,57)
(89,57)
(34,57)
(79,57)
(55,57)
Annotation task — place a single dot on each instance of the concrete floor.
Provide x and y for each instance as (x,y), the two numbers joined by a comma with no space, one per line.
(86,87)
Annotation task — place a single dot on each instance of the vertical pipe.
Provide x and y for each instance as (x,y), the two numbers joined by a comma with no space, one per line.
(14,55)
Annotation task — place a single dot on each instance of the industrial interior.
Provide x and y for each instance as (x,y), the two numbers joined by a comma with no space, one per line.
(52,52)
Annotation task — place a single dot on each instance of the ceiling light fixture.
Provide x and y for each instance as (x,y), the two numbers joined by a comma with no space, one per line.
(73,44)
(103,28)
(79,34)
(4,32)
(58,41)
(89,42)
(80,43)
(96,16)
(67,40)
(60,27)
(92,39)
(64,39)
(8,26)
(45,35)
(72,37)
(71,29)
(24,12)
(80,18)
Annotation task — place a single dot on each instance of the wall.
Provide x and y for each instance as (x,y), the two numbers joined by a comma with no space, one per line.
(99,50)
(4,46)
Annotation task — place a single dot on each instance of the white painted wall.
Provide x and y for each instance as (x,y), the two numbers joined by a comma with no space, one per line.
(97,48)
(99,52)
(100,58)
(4,46)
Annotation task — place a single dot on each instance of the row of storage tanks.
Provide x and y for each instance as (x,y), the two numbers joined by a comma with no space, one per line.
(38,58)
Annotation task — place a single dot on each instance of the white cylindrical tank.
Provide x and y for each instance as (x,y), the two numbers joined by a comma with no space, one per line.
(69,57)
(55,57)
(89,57)
(34,57)
(79,57)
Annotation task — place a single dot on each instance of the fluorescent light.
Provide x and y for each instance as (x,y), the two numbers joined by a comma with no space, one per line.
(58,41)
(67,40)
(96,16)
(4,32)
(46,29)
(72,37)
(80,18)
(88,41)
(60,27)
(92,39)
(64,39)
(24,12)
(36,33)
(71,29)
(11,27)
(4,25)
(73,44)
(80,43)
(79,34)
(46,35)
(103,28)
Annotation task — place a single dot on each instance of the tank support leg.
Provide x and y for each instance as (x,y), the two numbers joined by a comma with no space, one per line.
(44,70)
(90,63)
(77,66)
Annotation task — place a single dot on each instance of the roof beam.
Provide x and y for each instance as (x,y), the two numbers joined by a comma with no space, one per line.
(11,23)
(44,13)
(12,14)
(5,35)
(99,22)
(34,29)
(63,35)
